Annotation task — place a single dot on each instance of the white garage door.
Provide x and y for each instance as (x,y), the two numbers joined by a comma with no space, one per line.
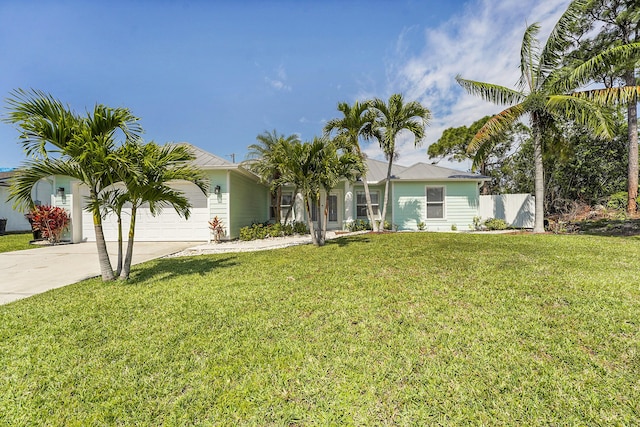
(167,226)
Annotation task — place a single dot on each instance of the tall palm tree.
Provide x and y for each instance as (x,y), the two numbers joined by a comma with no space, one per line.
(356,123)
(392,118)
(146,170)
(266,159)
(83,148)
(545,92)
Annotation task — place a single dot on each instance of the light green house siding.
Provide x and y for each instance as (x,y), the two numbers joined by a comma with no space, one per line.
(460,205)
(219,203)
(65,201)
(249,203)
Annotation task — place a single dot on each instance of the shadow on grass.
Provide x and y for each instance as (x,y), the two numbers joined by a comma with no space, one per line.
(609,227)
(168,268)
(344,241)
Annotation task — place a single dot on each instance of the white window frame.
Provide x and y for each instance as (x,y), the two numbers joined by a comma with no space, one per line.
(374,206)
(442,202)
(283,208)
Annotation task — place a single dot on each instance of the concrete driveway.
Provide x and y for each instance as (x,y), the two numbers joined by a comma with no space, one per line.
(30,272)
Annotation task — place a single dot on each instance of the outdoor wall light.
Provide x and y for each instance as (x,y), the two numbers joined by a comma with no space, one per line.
(216,189)
(60,191)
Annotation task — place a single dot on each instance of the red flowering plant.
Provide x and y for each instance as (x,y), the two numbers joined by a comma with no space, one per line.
(217,228)
(51,221)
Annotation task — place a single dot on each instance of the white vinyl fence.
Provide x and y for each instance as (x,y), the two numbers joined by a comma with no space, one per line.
(518,210)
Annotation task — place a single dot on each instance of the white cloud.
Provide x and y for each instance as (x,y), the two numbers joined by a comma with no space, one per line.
(279,82)
(482,43)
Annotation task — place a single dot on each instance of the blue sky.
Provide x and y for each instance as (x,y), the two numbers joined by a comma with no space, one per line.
(218,73)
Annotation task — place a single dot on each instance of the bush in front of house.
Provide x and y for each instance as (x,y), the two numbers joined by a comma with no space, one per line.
(495,224)
(50,221)
(265,230)
(358,225)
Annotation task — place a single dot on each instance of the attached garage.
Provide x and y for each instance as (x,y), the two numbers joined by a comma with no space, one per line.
(167,226)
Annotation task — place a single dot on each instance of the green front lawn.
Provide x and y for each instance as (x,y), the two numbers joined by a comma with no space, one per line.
(16,242)
(389,329)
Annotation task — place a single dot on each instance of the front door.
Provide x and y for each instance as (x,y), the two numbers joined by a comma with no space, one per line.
(334,221)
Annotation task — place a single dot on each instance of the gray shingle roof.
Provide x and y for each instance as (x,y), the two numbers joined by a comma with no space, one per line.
(206,160)
(377,172)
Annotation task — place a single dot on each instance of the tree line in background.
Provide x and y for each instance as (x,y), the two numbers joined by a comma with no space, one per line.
(578,143)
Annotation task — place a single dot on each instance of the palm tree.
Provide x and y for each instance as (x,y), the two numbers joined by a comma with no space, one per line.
(545,92)
(266,159)
(84,147)
(390,120)
(355,123)
(146,170)
(298,170)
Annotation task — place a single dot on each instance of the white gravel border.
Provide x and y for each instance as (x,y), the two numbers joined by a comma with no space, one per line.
(256,245)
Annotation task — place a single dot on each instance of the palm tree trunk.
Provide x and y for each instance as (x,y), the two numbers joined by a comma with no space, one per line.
(538,226)
(367,193)
(386,195)
(367,196)
(119,266)
(103,255)
(632,121)
(126,268)
(278,207)
(314,238)
(325,216)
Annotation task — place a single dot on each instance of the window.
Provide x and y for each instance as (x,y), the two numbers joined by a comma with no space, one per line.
(332,204)
(285,203)
(435,202)
(361,204)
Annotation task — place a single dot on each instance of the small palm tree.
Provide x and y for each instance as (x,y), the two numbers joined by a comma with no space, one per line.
(146,170)
(356,122)
(392,118)
(83,148)
(545,93)
(266,159)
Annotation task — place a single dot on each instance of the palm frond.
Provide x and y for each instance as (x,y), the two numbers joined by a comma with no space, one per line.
(583,111)
(491,92)
(494,128)
(560,37)
(585,72)
(610,96)
(529,58)
(31,172)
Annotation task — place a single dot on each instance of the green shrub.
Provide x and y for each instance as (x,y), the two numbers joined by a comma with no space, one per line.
(495,224)
(619,200)
(358,225)
(300,228)
(455,227)
(262,230)
(274,230)
(422,226)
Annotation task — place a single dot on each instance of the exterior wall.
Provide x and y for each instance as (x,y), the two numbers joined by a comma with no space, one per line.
(352,198)
(460,205)
(249,203)
(65,201)
(219,203)
(518,210)
(15,218)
